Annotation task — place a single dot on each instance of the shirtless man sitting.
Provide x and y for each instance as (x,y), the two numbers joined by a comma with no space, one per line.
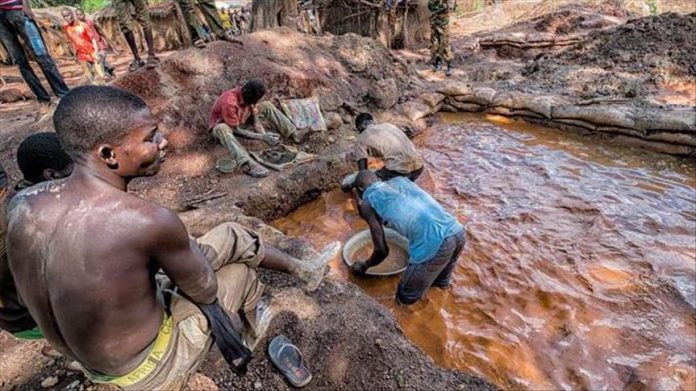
(84,254)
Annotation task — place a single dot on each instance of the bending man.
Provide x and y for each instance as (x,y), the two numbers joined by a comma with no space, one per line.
(435,237)
(387,142)
(84,254)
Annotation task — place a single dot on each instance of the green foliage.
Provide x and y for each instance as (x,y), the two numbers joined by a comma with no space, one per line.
(92,6)
(652,4)
(53,3)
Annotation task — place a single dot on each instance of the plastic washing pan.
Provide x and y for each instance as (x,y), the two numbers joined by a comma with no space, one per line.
(398,252)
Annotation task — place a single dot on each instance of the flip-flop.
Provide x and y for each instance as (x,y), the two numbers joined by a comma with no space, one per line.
(226,165)
(254,170)
(288,358)
(152,62)
(135,65)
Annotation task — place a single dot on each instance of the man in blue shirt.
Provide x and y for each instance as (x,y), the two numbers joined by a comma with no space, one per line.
(435,237)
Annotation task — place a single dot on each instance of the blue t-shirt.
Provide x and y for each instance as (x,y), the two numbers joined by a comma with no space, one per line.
(410,211)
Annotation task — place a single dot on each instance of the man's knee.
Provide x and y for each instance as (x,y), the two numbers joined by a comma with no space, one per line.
(144,21)
(239,288)
(265,107)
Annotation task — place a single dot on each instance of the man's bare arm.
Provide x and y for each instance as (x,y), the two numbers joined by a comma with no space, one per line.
(268,138)
(381,249)
(181,259)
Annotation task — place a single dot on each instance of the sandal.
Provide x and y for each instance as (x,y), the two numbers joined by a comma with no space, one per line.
(288,358)
(135,65)
(152,62)
(199,43)
(254,170)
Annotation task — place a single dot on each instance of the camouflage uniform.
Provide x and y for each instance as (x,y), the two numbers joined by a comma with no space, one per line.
(210,13)
(123,14)
(439,30)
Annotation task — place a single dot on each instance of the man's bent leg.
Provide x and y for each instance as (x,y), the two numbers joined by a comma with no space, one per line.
(282,124)
(443,280)
(239,291)
(11,27)
(419,277)
(231,243)
(225,135)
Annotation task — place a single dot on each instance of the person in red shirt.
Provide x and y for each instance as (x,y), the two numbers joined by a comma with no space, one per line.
(102,41)
(238,112)
(85,45)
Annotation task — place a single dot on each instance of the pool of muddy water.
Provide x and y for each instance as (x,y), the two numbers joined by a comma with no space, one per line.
(580,264)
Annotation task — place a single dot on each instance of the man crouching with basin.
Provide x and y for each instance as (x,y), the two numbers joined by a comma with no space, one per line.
(435,237)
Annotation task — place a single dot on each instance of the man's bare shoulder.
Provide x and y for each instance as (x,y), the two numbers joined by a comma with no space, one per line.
(25,201)
(59,200)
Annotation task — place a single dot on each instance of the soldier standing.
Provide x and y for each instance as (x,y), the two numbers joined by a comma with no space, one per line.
(440,49)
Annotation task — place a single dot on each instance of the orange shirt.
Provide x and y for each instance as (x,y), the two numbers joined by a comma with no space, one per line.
(80,36)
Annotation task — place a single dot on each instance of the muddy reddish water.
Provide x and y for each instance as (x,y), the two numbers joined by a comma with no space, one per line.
(580,265)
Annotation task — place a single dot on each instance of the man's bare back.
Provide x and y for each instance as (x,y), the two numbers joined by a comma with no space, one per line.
(97,293)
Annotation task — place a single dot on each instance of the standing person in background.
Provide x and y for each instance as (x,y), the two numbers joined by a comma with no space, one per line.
(196,28)
(17,20)
(102,40)
(440,48)
(193,23)
(125,19)
(85,45)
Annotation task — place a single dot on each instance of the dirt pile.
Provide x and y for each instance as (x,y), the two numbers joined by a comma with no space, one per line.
(341,70)
(643,53)
(347,73)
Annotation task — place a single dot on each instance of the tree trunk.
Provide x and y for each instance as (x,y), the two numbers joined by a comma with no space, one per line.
(266,14)
(408,26)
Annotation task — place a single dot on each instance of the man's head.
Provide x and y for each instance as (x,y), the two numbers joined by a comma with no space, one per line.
(68,15)
(111,127)
(253,91)
(363,121)
(363,180)
(80,15)
(41,158)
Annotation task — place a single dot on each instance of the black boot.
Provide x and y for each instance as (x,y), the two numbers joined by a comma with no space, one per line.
(449,70)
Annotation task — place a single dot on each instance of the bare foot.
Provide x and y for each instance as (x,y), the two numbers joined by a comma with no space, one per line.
(313,271)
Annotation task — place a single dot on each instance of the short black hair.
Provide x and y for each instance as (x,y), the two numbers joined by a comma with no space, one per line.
(253,90)
(90,115)
(362,120)
(40,152)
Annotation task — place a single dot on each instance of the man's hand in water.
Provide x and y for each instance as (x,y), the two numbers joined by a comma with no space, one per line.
(270,138)
(359,268)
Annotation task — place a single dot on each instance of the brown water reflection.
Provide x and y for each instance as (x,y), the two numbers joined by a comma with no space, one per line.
(580,265)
